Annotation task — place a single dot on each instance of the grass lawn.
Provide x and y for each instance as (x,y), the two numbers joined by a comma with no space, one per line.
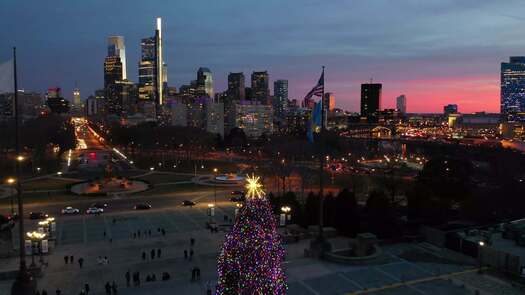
(47,184)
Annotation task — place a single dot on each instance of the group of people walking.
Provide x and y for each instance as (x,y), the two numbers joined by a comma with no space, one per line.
(152,254)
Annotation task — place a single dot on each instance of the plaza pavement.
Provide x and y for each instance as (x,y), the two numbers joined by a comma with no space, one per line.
(83,236)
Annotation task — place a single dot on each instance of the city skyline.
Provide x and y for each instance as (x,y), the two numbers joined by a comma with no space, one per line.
(436,54)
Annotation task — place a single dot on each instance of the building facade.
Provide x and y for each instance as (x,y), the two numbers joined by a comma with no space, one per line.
(370,98)
(513,89)
(254,119)
(280,97)
(401,104)
(205,82)
(236,86)
(260,88)
(116,47)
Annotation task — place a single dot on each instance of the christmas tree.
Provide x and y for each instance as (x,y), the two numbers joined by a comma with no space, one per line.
(252,255)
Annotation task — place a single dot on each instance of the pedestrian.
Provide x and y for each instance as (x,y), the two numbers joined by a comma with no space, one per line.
(153,277)
(80,261)
(66,258)
(158,229)
(192,241)
(193,274)
(149,232)
(106,260)
(37,292)
(134,235)
(138,234)
(185,254)
(114,288)
(138,278)
(111,240)
(44,292)
(143,255)
(114,220)
(158,253)
(107,286)
(127,278)
(152,253)
(86,287)
(71,259)
(82,292)
(104,234)
(208,288)
(198,273)
(135,279)
(58,292)
(163,232)
(191,254)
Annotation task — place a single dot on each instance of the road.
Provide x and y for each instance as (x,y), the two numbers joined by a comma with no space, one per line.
(126,203)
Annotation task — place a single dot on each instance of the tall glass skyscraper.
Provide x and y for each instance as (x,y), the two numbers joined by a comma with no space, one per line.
(152,69)
(260,90)
(116,47)
(236,88)
(280,97)
(205,82)
(370,98)
(513,88)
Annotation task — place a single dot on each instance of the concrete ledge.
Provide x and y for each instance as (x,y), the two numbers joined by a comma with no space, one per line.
(353,260)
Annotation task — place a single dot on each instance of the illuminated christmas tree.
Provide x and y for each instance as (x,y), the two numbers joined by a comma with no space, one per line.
(252,255)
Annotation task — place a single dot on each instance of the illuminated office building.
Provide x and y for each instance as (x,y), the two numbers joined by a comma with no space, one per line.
(260,90)
(116,47)
(513,89)
(205,82)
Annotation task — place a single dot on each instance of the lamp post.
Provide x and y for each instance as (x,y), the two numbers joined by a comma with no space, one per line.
(25,284)
(285,215)
(10,181)
(215,170)
(481,244)
(37,238)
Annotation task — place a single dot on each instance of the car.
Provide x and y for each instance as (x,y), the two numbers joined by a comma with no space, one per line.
(188,203)
(99,205)
(94,210)
(241,198)
(70,210)
(38,215)
(142,206)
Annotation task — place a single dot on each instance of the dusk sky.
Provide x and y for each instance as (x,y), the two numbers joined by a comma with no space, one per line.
(434,51)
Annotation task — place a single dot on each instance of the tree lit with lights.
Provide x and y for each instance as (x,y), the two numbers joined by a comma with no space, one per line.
(252,255)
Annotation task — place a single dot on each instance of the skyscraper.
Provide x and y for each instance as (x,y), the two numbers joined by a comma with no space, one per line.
(370,98)
(513,88)
(260,90)
(152,69)
(450,109)
(401,104)
(116,47)
(112,70)
(76,97)
(280,97)
(329,100)
(236,88)
(160,66)
(205,82)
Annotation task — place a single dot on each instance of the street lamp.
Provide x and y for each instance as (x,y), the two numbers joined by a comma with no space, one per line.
(285,215)
(10,181)
(35,237)
(480,255)
(238,207)
(215,170)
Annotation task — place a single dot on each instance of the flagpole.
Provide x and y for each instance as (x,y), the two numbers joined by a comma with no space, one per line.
(321,165)
(25,282)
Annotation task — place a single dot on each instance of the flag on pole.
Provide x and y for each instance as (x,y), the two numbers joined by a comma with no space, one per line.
(318,90)
(6,76)
(314,123)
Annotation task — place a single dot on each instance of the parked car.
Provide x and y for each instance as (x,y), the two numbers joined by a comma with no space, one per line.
(142,206)
(188,203)
(38,215)
(94,210)
(70,210)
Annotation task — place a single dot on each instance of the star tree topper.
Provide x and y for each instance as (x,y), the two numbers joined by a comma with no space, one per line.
(253,187)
